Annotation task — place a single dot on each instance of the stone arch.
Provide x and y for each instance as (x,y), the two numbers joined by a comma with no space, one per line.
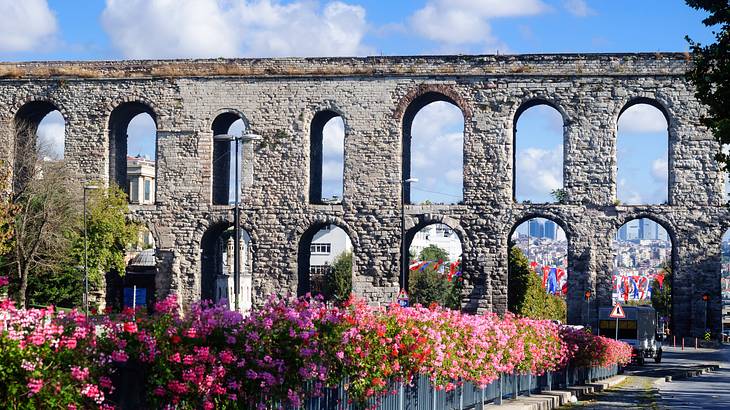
(26,120)
(304,234)
(119,120)
(221,158)
(406,111)
(542,215)
(653,101)
(672,237)
(519,109)
(562,225)
(316,151)
(416,225)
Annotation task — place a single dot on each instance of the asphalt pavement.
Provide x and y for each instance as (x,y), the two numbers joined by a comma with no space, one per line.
(708,391)
(644,386)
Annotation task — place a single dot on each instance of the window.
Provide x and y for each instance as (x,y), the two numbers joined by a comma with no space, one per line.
(642,155)
(319,269)
(147,189)
(327,156)
(321,248)
(433,150)
(538,153)
(133,188)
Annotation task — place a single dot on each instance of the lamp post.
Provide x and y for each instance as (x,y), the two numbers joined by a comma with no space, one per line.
(404,251)
(236,208)
(588,301)
(705,298)
(86,255)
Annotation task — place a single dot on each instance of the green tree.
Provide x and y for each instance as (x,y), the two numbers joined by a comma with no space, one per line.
(110,234)
(661,296)
(710,72)
(62,288)
(525,294)
(338,280)
(429,285)
(6,215)
(45,213)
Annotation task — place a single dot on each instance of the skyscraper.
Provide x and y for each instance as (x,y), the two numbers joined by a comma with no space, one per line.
(550,231)
(623,233)
(537,230)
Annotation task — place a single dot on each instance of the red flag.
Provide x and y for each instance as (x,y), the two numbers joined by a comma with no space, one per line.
(660,278)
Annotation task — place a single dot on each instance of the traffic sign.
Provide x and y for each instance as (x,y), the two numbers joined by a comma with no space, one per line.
(403,298)
(617,312)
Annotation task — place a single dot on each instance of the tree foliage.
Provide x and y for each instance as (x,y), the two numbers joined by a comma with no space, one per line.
(338,281)
(6,215)
(108,231)
(526,296)
(431,286)
(661,296)
(45,213)
(710,72)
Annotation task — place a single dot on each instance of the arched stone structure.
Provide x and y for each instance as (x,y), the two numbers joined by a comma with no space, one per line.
(278,97)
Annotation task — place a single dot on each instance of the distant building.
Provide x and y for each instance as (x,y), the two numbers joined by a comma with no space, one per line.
(440,235)
(536,228)
(141,178)
(550,230)
(326,246)
(225,284)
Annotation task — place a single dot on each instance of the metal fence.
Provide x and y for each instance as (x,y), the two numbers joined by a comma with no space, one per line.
(421,394)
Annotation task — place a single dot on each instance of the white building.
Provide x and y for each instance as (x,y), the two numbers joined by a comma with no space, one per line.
(326,246)
(440,235)
(141,180)
(224,283)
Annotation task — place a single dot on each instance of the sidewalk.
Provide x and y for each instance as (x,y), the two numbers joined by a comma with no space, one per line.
(556,398)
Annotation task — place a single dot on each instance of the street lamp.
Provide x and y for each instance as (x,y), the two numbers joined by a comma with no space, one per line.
(236,217)
(404,251)
(588,300)
(86,254)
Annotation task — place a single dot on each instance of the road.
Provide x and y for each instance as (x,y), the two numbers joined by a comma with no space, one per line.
(709,391)
(644,387)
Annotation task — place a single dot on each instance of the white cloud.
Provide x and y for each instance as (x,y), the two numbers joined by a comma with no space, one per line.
(459,22)
(333,137)
(437,153)
(578,8)
(660,170)
(230,28)
(51,135)
(25,24)
(539,171)
(642,118)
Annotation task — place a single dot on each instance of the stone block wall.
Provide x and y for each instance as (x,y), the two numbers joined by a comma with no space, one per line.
(278,99)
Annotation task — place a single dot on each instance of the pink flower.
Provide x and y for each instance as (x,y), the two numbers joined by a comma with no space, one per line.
(130,327)
(119,356)
(79,373)
(92,391)
(34,386)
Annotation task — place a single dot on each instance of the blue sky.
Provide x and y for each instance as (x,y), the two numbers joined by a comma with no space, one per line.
(119,29)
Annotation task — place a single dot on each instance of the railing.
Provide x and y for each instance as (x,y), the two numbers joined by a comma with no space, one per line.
(421,394)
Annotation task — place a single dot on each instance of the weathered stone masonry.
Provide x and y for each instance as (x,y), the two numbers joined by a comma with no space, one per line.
(373,95)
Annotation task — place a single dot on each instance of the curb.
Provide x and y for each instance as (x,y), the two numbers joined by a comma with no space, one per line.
(685,374)
(553,399)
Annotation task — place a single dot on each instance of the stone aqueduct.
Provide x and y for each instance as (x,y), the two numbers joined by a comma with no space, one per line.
(377,98)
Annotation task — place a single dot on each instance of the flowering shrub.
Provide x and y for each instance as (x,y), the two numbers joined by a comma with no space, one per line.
(48,360)
(587,350)
(282,353)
